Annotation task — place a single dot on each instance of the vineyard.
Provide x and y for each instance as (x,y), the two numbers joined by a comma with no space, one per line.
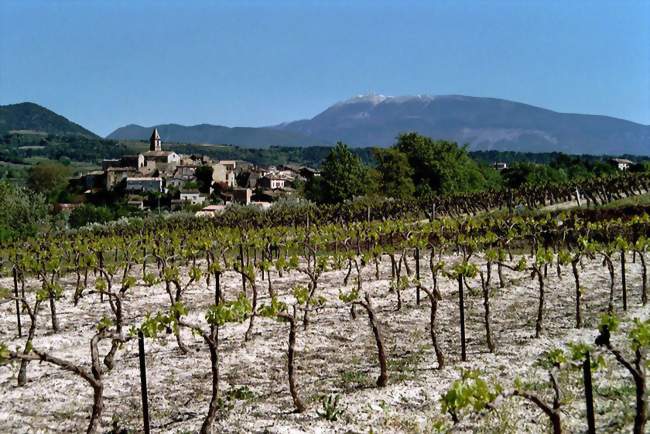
(459,314)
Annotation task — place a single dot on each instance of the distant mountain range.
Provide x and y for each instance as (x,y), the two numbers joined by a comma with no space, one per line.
(30,117)
(484,123)
(216,134)
(376,120)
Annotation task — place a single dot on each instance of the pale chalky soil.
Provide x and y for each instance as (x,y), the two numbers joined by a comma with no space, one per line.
(336,354)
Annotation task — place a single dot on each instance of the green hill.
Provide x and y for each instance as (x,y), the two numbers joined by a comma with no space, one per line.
(27,117)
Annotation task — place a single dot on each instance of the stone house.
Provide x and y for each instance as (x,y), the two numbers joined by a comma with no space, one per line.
(145,184)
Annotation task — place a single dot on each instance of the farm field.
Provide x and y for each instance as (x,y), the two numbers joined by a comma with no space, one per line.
(335,319)
(335,356)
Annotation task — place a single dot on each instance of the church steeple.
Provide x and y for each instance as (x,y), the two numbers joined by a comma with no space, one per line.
(154,141)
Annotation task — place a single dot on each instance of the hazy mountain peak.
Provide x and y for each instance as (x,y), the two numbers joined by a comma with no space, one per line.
(483,123)
(367,98)
(376,120)
(375,99)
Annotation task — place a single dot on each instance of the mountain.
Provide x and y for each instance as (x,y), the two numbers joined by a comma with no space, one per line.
(214,134)
(484,123)
(27,116)
(376,120)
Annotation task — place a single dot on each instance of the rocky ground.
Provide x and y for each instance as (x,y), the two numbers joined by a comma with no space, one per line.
(335,355)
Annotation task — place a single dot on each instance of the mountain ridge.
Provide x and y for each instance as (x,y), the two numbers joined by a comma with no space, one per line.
(205,133)
(29,116)
(483,122)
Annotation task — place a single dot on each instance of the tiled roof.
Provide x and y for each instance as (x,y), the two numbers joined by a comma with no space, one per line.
(158,153)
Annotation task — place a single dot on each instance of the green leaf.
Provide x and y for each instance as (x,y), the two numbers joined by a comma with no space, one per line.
(195,273)
(101,285)
(610,321)
(229,311)
(273,309)
(5,293)
(178,309)
(150,279)
(42,294)
(469,391)
(128,282)
(522,264)
(301,293)
(552,358)
(5,354)
(353,295)
(104,324)
(639,335)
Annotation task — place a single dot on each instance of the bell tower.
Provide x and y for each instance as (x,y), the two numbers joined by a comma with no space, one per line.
(154,141)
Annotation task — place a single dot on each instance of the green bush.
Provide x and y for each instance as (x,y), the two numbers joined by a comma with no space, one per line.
(88,213)
(22,212)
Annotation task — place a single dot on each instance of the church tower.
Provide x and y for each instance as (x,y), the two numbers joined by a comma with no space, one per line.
(154,141)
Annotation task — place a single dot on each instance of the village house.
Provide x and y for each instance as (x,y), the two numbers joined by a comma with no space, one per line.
(194,197)
(622,163)
(145,184)
(230,164)
(223,174)
(272,182)
(126,161)
(115,175)
(308,172)
(185,171)
(242,196)
(177,183)
(211,211)
(92,180)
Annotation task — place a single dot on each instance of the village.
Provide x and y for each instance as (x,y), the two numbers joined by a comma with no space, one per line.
(193,182)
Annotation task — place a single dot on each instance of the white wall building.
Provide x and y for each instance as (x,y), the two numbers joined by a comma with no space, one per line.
(193,197)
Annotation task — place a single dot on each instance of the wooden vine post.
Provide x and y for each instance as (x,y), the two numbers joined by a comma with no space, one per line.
(15,275)
(417,274)
(143,383)
(589,394)
(623,282)
(461,304)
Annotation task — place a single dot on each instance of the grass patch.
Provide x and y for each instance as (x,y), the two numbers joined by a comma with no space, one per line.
(641,200)
(405,367)
(354,379)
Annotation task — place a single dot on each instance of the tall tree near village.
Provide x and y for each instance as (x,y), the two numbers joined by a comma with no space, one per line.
(440,166)
(396,173)
(343,175)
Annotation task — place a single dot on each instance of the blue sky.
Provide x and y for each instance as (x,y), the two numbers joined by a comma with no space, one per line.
(105,64)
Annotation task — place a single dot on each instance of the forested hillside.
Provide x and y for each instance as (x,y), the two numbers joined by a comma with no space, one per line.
(32,117)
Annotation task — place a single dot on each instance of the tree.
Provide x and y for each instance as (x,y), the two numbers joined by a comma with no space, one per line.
(203,175)
(48,178)
(531,173)
(314,189)
(21,212)
(343,175)
(440,166)
(88,213)
(395,173)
